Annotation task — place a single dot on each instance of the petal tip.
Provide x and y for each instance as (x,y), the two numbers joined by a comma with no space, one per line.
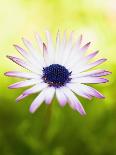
(32,110)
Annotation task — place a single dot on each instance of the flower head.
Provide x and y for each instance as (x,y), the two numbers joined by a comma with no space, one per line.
(60,70)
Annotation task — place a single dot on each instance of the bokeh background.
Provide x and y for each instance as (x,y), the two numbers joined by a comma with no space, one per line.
(58,131)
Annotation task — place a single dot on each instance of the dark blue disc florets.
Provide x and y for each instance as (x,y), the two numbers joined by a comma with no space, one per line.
(56,75)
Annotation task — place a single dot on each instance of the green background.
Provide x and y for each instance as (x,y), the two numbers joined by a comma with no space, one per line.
(54,130)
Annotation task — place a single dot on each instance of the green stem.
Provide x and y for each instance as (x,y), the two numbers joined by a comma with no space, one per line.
(46,122)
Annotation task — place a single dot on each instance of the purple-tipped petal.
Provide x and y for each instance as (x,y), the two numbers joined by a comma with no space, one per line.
(49,42)
(27,56)
(50,47)
(22,96)
(45,54)
(34,53)
(79,41)
(85,47)
(58,39)
(37,102)
(89,66)
(29,45)
(91,91)
(94,73)
(73,101)
(39,41)
(25,75)
(21,51)
(102,73)
(64,41)
(84,61)
(61,96)
(22,63)
(92,55)
(25,83)
(89,80)
(50,91)
(35,89)
(76,89)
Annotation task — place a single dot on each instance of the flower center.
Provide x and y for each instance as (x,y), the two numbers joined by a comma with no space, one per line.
(56,75)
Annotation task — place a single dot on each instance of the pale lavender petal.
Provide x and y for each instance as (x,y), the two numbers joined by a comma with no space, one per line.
(37,102)
(76,56)
(50,47)
(58,40)
(46,55)
(25,75)
(28,56)
(23,64)
(25,83)
(89,66)
(94,73)
(85,47)
(49,42)
(91,91)
(61,96)
(68,49)
(60,49)
(57,51)
(22,96)
(79,41)
(34,53)
(76,48)
(76,89)
(35,89)
(89,80)
(84,61)
(21,51)
(39,41)
(90,56)
(104,73)
(50,91)
(63,43)
(73,101)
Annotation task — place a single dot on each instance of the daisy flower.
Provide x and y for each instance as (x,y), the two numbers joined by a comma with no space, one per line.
(60,70)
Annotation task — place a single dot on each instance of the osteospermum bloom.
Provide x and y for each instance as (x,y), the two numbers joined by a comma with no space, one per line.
(60,70)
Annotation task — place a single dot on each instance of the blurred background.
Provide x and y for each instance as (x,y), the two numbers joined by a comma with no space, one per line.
(57,131)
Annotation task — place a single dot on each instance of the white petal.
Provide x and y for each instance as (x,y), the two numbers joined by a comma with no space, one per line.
(62,48)
(25,64)
(67,50)
(91,65)
(46,55)
(78,42)
(25,75)
(85,47)
(61,96)
(28,57)
(50,47)
(57,47)
(50,91)
(83,61)
(76,88)
(89,80)
(33,52)
(38,101)
(35,89)
(75,52)
(39,41)
(91,91)
(93,73)
(73,101)
(25,83)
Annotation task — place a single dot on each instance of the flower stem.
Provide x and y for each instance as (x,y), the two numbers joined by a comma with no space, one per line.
(46,122)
